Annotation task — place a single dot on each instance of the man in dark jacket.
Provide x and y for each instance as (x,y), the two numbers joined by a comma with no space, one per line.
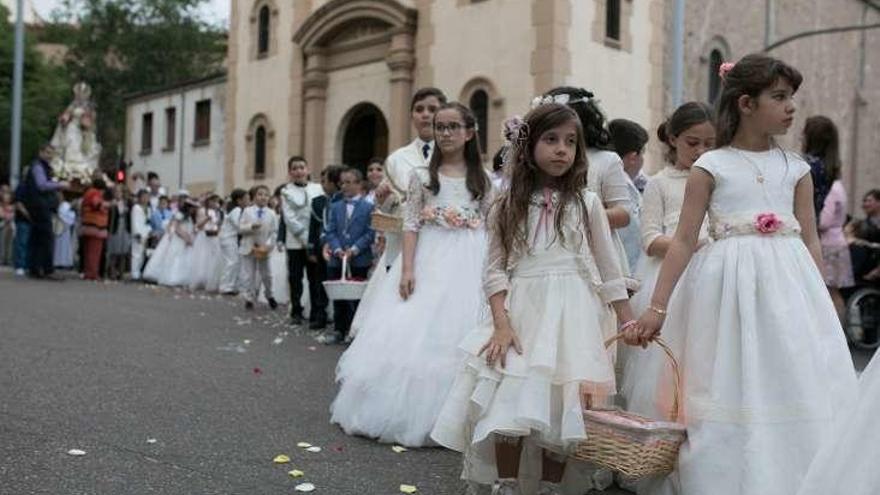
(41,201)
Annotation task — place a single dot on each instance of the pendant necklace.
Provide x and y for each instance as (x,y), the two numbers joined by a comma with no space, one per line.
(759,174)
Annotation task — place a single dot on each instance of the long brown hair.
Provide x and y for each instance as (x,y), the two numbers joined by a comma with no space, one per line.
(477,180)
(821,141)
(511,210)
(750,76)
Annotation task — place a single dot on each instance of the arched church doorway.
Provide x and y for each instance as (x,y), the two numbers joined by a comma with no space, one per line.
(365,136)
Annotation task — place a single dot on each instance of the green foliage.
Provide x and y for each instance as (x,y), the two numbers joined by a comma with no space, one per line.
(121,47)
(45,94)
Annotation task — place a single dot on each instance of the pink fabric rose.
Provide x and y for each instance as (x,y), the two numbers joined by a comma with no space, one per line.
(724,69)
(767,223)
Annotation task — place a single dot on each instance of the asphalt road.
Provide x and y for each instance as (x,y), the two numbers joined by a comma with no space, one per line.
(173,393)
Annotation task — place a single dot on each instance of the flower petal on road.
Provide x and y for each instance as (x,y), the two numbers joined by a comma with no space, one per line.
(296,473)
(281,459)
(305,487)
(408,489)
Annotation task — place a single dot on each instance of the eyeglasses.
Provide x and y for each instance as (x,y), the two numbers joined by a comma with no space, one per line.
(452,127)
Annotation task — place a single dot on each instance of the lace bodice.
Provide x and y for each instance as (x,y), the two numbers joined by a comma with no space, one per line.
(749,184)
(452,207)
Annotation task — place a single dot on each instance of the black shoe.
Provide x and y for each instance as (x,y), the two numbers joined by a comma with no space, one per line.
(273,304)
(249,306)
(318,325)
(296,319)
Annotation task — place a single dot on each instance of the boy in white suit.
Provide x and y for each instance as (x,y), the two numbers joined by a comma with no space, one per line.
(140,232)
(258,226)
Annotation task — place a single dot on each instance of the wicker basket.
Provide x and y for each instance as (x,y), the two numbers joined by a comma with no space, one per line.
(345,289)
(384,222)
(630,444)
(260,252)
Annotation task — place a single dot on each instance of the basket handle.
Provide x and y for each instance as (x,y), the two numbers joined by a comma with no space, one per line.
(345,269)
(676,373)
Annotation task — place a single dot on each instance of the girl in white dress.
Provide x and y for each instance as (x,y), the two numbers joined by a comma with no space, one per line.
(688,133)
(394,377)
(551,270)
(765,365)
(207,263)
(178,262)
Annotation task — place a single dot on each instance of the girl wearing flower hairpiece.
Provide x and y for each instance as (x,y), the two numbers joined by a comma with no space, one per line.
(394,377)
(765,365)
(515,408)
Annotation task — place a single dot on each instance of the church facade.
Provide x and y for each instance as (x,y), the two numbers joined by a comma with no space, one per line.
(331,79)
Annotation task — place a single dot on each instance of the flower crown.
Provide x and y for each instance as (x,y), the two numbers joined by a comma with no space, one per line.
(563,99)
(725,69)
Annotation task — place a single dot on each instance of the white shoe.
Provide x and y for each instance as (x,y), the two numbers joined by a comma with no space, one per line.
(507,487)
(19,272)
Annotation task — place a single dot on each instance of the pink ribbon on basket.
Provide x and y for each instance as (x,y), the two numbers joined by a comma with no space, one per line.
(546,212)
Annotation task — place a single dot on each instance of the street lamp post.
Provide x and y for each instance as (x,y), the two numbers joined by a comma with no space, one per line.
(17,77)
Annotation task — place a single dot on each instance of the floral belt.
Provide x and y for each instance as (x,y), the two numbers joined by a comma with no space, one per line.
(451,217)
(761,224)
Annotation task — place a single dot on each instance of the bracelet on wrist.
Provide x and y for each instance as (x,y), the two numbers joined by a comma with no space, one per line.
(657,309)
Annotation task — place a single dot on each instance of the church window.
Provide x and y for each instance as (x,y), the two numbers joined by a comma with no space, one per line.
(260,152)
(263,31)
(479,104)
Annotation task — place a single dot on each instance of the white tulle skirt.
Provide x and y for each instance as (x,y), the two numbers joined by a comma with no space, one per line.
(846,463)
(561,323)
(177,263)
(397,372)
(207,265)
(766,369)
(158,261)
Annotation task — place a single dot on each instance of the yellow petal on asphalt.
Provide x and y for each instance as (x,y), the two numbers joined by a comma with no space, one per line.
(399,449)
(314,449)
(281,459)
(304,487)
(303,445)
(296,473)
(408,489)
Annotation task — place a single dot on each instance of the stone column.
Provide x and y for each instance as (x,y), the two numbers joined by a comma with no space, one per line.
(401,60)
(314,85)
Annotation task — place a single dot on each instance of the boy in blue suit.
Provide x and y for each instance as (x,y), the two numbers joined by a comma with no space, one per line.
(348,233)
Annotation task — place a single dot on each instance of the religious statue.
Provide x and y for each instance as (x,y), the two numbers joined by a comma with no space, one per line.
(75,143)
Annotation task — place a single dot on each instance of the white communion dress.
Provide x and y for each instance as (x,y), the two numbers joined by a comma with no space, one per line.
(557,294)
(397,372)
(765,367)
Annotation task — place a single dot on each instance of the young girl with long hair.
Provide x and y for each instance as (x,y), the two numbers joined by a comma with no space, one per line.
(765,367)
(687,134)
(207,256)
(552,267)
(394,377)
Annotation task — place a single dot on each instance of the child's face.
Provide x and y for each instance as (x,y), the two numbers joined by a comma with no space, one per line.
(328,185)
(298,172)
(556,148)
(870,205)
(423,117)
(773,110)
(261,197)
(212,204)
(163,204)
(351,186)
(692,143)
(633,161)
(244,200)
(144,199)
(375,174)
(450,132)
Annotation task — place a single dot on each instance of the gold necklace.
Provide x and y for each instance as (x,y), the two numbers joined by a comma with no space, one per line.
(759,174)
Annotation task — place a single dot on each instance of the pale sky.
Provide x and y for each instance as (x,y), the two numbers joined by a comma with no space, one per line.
(214,10)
